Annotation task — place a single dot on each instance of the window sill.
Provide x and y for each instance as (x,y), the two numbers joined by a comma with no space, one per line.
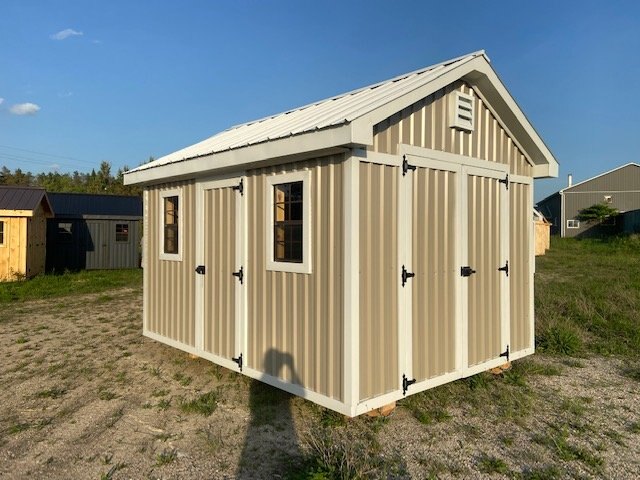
(290,267)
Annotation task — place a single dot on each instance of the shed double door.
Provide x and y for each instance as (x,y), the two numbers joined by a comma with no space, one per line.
(221,272)
(451,248)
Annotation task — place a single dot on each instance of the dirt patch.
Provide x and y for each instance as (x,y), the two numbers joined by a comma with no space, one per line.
(85,395)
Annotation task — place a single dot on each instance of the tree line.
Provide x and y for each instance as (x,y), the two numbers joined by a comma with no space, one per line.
(100,181)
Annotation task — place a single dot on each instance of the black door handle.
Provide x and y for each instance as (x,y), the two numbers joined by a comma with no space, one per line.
(200,269)
(467,271)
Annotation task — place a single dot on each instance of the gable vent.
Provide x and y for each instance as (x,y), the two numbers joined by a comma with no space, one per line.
(461,111)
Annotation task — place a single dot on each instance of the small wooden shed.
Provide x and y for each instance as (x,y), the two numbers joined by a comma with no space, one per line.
(356,250)
(23,214)
(91,231)
(542,233)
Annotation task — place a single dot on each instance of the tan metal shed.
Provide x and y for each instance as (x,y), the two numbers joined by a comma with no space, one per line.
(355,250)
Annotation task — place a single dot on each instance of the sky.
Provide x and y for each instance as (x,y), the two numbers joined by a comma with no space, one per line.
(87,81)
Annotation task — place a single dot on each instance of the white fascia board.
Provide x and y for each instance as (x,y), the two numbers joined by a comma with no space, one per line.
(487,81)
(374,117)
(480,75)
(239,158)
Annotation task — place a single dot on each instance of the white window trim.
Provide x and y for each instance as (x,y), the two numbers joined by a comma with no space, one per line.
(305,177)
(576,223)
(174,192)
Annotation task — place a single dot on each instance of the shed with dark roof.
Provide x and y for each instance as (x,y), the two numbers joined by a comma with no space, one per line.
(94,232)
(23,214)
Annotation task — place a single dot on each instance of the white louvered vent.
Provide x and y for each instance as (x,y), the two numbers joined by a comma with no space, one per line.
(461,111)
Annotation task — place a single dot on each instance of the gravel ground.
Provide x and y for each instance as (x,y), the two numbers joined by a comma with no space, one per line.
(84,395)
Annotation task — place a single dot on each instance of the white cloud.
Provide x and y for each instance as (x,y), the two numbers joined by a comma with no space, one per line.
(25,109)
(55,167)
(1,101)
(66,33)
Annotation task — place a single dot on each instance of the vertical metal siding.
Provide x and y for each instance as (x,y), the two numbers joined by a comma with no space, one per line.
(379,276)
(484,318)
(426,124)
(434,286)
(219,285)
(170,298)
(295,320)
(520,271)
(124,254)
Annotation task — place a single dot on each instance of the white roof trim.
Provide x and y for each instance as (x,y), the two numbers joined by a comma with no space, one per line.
(598,176)
(346,121)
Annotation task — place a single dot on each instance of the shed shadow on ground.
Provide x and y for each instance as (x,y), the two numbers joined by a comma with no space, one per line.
(271,444)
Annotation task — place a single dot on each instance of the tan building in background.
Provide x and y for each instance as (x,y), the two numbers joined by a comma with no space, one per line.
(23,231)
(355,250)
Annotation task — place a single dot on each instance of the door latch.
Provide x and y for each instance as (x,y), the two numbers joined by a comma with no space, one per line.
(406,275)
(200,269)
(467,271)
(239,274)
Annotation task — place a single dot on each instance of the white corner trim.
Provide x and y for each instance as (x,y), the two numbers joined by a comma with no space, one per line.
(173,192)
(351,265)
(303,176)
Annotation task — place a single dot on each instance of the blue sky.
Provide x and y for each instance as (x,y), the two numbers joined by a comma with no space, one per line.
(86,81)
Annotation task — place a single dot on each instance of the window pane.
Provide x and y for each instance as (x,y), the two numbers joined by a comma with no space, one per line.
(170,224)
(296,211)
(122,232)
(1,233)
(287,236)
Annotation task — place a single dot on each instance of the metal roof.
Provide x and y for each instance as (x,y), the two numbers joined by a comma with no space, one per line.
(83,204)
(20,198)
(598,176)
(324,114)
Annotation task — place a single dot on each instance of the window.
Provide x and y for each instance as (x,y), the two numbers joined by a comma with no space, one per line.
(461,111)
(65,232)
(573,223)
(288,215)
(1,234)
(171,225)
(122,232)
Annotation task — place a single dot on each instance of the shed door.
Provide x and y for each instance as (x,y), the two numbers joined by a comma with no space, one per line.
(222,270)
(435,264)
(486,251)
(97,245)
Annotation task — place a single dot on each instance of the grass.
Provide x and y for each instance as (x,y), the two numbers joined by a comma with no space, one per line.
(588,297)
(166,457)
(490,464)
(205,404)
(70,283)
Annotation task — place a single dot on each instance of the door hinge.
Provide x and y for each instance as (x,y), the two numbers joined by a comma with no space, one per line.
(505,353)
(505,269)
(240,187)
(239,274)
(200,269)
(405,165)
(406,275)
(406,383)
(505,180)
(467,271)
(238,360)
